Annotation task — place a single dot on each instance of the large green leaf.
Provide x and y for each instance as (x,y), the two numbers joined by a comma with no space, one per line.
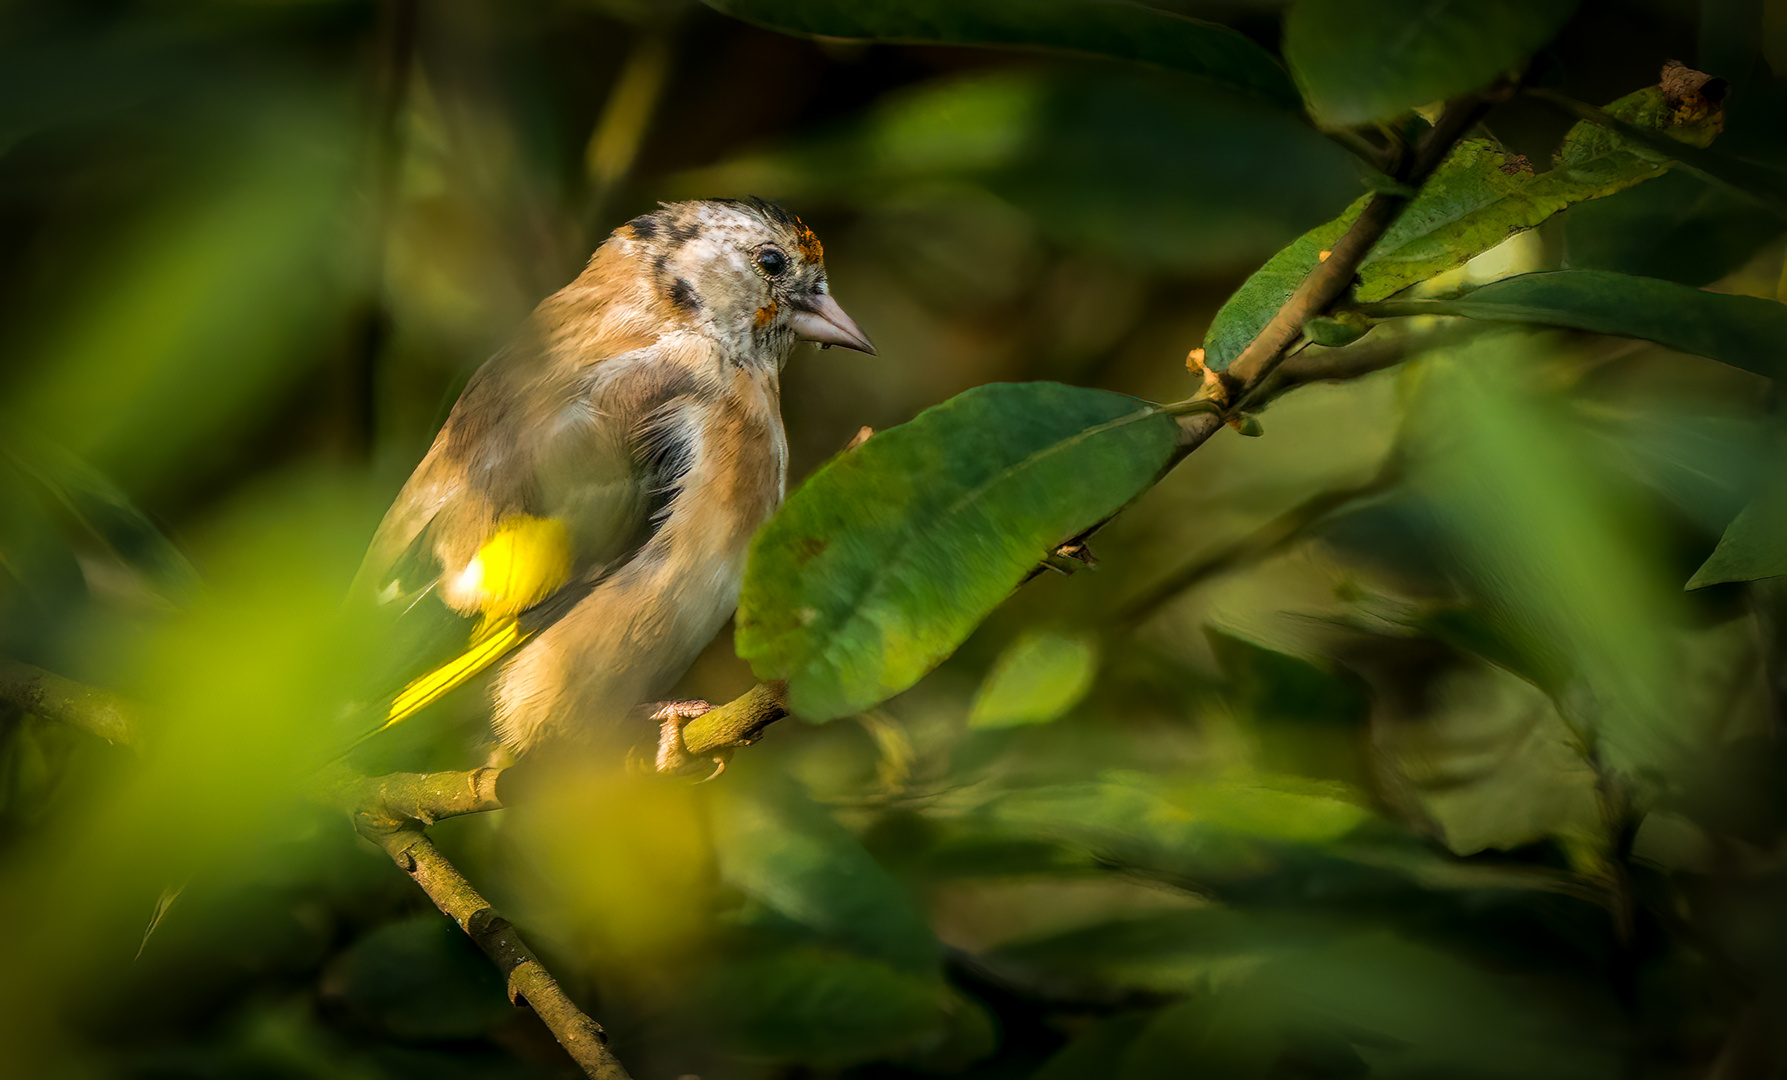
(1755,543)
(1360,62)
(889,556)
(1110,28)
(1477,198)
(1743,331)
(788,854)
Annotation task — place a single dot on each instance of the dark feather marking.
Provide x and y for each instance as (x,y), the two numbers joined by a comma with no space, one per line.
(665,452)
(644,227)
(682,232)
(682,294)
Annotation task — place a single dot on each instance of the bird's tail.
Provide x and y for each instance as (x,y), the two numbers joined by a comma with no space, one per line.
(492,641)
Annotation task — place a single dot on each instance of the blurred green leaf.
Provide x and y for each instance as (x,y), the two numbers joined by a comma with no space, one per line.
(829,1009)
(1553,542)
(1169,952)
(420,978)
(1360,62)
(1037,678)
(787,852)
(108,514)
(1754,545)
(1096,1051)
(1676,227)
(1744,331)
(889,556)
(1119,164)
(1109,28)
(196,318)
(1475,200)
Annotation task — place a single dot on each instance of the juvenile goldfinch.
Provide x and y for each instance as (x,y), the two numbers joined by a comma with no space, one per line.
(586,509)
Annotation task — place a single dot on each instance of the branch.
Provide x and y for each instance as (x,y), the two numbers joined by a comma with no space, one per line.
(1268,539)
(51,697)
(529,983)
(1334,276)
(714,734)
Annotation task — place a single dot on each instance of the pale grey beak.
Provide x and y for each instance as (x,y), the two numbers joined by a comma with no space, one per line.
(818,318)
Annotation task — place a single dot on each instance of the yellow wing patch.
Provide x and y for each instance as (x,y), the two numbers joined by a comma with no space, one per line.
(525,560)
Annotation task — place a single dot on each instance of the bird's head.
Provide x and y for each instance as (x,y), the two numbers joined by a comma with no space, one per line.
(746,272)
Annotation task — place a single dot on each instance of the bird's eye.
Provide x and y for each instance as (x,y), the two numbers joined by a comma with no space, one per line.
(771,261)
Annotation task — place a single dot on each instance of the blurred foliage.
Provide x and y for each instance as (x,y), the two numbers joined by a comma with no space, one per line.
(1389,744)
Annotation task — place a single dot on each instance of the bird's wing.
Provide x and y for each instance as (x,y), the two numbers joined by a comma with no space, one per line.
(541,484)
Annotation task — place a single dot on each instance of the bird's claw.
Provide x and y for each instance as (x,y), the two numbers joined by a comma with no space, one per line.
(673,757)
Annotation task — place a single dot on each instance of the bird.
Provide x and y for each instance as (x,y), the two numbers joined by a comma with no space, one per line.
(583,517)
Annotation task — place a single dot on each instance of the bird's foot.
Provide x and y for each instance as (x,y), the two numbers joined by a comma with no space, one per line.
(673,758)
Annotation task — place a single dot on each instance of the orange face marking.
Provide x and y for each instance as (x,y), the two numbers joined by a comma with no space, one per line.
(766,313)
(810,248)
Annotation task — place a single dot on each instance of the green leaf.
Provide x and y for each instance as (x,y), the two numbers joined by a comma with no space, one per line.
(890,555)
(1106,162)
(1477,198)
(1360,62)
(1676,227)
(1116,29)
(829,1009)
(783,850)
(1755,543)
(1040,676)
(1744,331)
(421,979)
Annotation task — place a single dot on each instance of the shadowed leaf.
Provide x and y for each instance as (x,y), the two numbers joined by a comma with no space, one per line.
(1360,62)
(1112,28)
(1744,331)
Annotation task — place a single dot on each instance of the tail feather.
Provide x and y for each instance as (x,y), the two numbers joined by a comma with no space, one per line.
(491,643)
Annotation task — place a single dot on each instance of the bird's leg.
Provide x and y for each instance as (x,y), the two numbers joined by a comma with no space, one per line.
(673,754)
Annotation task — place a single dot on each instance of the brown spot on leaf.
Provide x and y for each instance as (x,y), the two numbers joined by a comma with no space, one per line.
(808,549)
(1516,163)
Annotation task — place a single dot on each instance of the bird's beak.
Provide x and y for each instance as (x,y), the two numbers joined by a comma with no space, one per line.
(818,318)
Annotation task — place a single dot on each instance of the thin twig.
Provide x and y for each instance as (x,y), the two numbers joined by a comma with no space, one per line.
(1268,539)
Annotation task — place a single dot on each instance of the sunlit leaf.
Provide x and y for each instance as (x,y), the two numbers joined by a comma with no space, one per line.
(1476,198)
(1108,28)
(890,555)
(1039,677)
(1479,195)
(1743,331)
(1360,62)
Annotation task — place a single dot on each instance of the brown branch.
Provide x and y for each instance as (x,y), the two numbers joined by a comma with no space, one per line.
(1332,277)
(51,697)
(739,722)
(528,981)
